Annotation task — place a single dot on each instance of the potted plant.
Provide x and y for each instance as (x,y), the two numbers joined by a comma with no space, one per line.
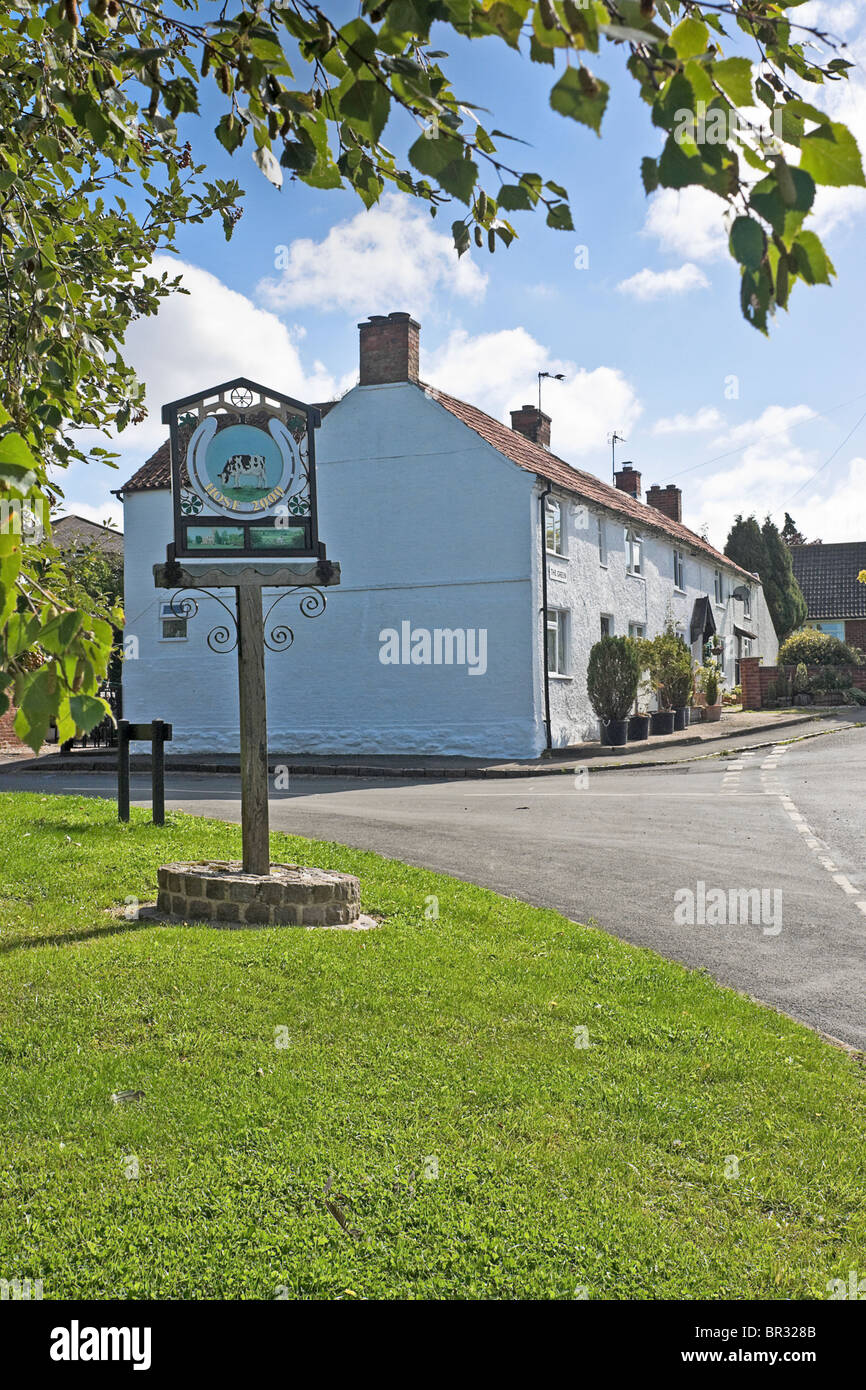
(802,686)
(710,680)
(612,678)
(669,662)
(639,722)
(679,690)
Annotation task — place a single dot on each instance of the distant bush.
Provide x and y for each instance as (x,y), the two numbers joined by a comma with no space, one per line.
(802,684)
(817,649)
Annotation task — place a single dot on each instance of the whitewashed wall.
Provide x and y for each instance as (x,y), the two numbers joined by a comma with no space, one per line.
(429,525)
(591,589)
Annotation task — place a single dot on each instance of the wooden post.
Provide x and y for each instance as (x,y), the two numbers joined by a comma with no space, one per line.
(254,731)
(157,772)
(123,769)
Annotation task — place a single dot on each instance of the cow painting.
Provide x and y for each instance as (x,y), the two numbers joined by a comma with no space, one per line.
(244,470)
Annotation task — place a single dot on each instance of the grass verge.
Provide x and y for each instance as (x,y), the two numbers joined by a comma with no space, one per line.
(429,1129)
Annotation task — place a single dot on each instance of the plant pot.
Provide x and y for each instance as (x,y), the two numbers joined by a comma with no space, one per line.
(681,718)
(662,721)
(614,732)
(712,714)
(638,727)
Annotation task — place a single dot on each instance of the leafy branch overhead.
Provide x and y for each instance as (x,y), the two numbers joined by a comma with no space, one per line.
(101,162)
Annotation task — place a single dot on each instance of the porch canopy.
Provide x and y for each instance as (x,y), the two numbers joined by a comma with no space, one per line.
(703,625)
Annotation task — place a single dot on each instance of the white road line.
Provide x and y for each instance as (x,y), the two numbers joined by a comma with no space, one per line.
(846,885)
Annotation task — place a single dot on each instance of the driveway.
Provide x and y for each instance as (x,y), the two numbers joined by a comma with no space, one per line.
(624,849)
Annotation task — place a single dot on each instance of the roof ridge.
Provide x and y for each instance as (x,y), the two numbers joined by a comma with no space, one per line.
(535,458)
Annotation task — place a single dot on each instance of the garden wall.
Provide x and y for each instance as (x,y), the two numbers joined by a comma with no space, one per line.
(756,678)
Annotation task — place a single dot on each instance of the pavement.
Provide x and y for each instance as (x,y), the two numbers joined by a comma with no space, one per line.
(736,728)
(623,850)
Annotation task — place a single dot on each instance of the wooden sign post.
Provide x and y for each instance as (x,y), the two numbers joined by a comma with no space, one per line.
(243,480)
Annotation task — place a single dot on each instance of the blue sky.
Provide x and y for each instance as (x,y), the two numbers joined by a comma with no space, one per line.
(649,335)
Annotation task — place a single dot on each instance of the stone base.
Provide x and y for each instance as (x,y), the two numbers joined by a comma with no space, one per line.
(290,896)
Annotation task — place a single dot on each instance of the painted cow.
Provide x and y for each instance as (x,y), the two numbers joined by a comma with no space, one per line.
(244,470)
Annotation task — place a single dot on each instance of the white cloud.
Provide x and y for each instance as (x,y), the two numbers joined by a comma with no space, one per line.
(688,222)
(707,418)
(497,372)
(769,467)
(210,335)
(390,256)
(101,513)
(654,284)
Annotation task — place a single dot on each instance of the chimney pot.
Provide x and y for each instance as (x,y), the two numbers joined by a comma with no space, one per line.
(389,349)
(532,423)
(628,480)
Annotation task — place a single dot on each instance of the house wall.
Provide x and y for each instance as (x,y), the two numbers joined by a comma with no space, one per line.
(429,525)
(590,589)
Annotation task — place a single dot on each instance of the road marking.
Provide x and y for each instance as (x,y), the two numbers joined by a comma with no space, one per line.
(862,907)
(846,885)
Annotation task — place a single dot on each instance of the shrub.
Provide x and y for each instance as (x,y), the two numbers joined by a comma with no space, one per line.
(802,685)
(817,649)
(612,677)
(772,693)
(670,666)
(856,695)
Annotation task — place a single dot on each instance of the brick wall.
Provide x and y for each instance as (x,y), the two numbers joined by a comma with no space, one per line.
(756,679)
(855,632)
(9,740)
(389,349)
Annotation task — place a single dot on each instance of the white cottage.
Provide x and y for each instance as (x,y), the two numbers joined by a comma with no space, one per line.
(477,571)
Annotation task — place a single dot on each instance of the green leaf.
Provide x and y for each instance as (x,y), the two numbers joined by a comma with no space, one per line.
(459,178)
(734,76)
(649,172)
(747,242)
(514,198)
(831,155)
(230,132)
(690,38)
(811,260)
(87,711)
(581,96)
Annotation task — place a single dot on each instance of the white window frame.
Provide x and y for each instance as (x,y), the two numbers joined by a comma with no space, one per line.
(558,624)
(637,630)
(554,508)
(719,588)
(747,602)
(679,571)
(607,618)
(168,615)
(602,542)
(634,553)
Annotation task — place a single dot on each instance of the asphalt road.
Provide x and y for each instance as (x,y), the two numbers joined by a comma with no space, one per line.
(616,847)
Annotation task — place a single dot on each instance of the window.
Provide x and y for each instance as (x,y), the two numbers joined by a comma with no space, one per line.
(553,532)
(172,627)
(679,570)
(606,625)
(719,586)
(637,630)
(557,631)
(634,552)
(747,602)
(602,541)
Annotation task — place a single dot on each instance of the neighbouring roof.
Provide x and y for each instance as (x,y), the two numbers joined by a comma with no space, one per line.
(827,574)
(71,532)
(156,472)
(536,459)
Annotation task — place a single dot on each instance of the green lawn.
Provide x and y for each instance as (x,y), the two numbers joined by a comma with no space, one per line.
(444,1041)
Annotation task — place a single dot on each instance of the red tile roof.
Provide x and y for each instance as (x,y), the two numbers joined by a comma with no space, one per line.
(536,459)
(156,473)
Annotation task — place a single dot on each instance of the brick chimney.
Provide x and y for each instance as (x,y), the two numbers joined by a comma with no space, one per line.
(389,349)
(628,480)
(533,423)
(668,500)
